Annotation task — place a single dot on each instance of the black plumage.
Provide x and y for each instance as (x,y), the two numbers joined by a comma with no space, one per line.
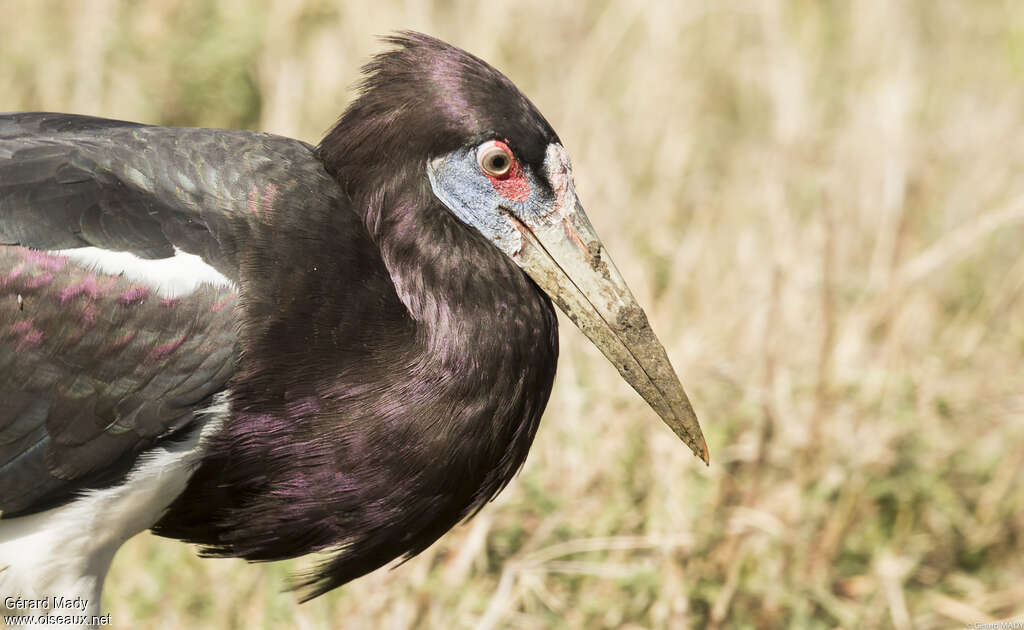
(433,413)
(386,365)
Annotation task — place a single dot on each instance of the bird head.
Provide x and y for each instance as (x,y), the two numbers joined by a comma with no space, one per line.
(431,111)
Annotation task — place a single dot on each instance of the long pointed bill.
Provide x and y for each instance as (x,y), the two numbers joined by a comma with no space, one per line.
(565,257)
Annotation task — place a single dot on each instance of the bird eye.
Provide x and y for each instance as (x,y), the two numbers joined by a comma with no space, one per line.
(494,158)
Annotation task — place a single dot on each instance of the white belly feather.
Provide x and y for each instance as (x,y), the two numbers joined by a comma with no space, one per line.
(66,552)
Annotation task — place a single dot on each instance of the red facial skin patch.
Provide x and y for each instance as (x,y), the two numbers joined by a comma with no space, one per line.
(513,185)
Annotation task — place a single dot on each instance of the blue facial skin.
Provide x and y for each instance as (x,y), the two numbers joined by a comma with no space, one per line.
(459,183)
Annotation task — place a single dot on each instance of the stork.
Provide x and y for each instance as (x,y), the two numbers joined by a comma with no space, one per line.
(269,348)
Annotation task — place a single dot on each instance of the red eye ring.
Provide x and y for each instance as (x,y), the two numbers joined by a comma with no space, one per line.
(495,159)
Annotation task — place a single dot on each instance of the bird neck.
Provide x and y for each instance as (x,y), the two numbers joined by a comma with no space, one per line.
(379,400)
(465,297)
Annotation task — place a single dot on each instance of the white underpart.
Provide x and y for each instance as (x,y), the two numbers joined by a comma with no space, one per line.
(66,552)
(178,275)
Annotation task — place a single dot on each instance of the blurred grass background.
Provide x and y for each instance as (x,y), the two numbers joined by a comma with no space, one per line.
(820,204)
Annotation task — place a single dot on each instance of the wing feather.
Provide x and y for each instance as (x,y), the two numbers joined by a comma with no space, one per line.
(97,367)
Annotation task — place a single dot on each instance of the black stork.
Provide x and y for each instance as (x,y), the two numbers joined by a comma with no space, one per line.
(268,348)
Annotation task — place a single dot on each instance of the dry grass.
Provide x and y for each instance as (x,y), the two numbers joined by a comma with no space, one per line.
(821,205)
